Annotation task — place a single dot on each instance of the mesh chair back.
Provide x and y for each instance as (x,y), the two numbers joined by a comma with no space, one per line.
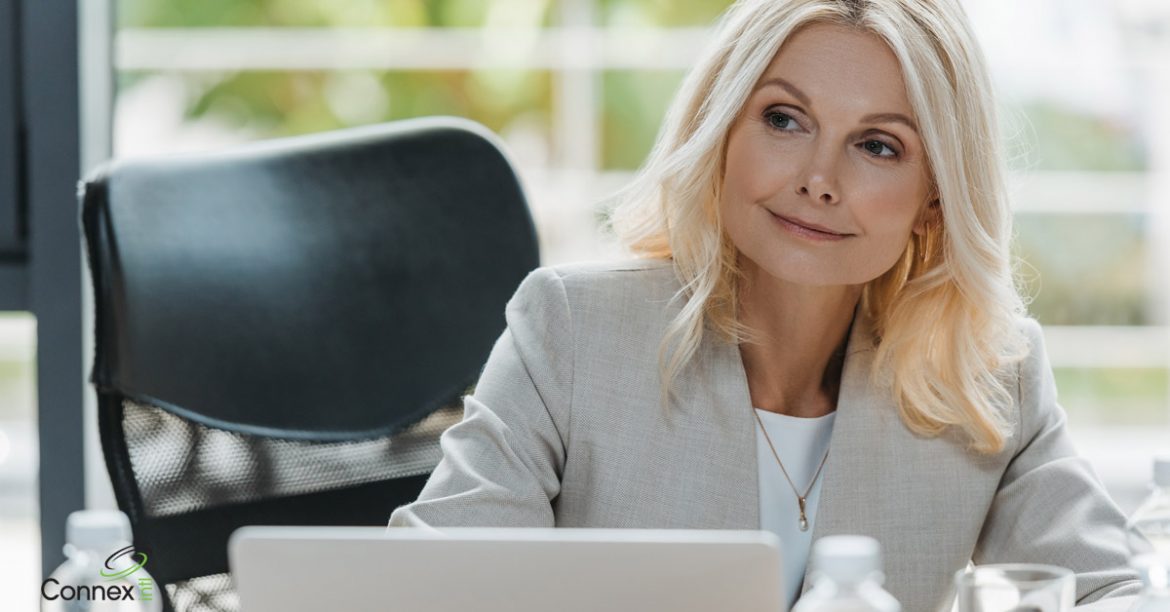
(283,330)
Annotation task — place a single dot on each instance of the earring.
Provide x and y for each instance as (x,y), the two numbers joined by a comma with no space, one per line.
(928,235)
(924,244)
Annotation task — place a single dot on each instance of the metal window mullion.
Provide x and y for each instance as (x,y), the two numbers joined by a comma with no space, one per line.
(576,112)
(217,49)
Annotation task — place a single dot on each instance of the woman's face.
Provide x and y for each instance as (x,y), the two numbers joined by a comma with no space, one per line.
(826,140)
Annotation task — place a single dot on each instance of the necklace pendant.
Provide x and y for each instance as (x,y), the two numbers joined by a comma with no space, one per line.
(803,523)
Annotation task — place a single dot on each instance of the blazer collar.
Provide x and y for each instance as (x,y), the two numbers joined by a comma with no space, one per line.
(852,441)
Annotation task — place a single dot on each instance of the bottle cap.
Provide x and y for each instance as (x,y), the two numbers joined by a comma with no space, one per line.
(100,531)
(847,558)
(1162,469)
(1154,569)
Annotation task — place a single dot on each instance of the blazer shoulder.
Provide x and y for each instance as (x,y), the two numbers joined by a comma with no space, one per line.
(633,278)
(1034,355)
(624,269)
(627,288)
(1035,386)
(603,297)
(1029,327)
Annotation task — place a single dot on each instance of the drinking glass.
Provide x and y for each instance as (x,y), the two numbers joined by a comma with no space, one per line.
(1015,587)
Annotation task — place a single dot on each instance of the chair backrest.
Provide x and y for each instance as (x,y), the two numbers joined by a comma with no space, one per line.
(283,329)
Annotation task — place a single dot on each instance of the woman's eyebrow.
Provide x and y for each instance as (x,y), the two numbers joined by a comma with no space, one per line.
(871,118)
(786,86)
(890,118)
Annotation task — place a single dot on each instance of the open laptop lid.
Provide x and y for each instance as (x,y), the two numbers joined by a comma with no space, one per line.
(505,570)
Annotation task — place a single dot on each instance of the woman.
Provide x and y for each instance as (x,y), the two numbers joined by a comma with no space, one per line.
(824,264)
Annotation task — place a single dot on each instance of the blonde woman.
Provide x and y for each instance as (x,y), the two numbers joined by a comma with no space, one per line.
(820,333)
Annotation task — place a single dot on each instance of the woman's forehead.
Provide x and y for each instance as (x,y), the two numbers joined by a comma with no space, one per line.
(840,65)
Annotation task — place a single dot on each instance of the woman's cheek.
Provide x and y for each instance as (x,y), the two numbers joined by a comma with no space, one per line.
(891,210)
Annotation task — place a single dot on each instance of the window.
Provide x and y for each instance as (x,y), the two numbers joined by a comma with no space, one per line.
(578,88)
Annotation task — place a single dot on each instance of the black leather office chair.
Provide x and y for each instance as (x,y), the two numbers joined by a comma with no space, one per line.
(283,330)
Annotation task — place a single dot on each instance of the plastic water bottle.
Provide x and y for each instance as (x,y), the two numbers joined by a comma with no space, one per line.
(1151,521)
(1154,568)
(847,577)
(101,572)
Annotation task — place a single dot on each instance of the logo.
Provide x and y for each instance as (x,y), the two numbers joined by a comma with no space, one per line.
(118,570)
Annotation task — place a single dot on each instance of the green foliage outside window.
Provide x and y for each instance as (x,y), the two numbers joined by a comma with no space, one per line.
(275,104)
(266,104)
(1102,281)
(324,13)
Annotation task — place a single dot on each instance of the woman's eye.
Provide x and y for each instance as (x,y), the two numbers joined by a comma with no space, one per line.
(780,121)
(875,147)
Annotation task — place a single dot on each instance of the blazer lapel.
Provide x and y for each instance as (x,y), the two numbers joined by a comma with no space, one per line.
(876,480)
(732,404)
(857,406)
(856,437)
(922,497)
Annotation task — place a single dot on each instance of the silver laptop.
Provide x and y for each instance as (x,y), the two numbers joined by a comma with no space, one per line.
(505,570)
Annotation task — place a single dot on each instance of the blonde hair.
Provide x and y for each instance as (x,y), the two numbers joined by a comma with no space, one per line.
(945,313)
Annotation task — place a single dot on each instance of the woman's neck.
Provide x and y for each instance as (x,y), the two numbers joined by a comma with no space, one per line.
(796,367)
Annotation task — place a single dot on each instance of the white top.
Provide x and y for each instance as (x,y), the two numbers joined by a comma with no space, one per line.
(801,444)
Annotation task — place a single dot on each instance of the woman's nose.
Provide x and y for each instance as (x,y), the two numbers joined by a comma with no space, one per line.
(819,178)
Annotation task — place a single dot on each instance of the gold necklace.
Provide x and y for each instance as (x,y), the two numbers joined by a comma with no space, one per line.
(800,499)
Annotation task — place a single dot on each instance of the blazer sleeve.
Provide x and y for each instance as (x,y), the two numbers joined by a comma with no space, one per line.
(502,463)
(1050,507)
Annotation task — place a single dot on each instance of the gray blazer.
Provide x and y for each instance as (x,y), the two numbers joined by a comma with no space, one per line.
(565,429)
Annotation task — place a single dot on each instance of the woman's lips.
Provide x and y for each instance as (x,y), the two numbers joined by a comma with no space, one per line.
(795,227)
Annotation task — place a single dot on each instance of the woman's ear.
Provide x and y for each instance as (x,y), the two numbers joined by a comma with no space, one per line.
(930,215)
